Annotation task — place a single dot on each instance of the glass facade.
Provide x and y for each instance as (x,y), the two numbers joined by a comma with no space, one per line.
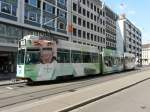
(8,7)
(63,2)
(10,34)
(33,3)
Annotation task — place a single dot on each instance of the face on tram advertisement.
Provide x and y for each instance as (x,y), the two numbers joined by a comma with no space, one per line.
(48,53)
(46,56)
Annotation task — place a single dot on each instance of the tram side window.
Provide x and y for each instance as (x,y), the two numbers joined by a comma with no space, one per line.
(76,57)
(86,57)
(63,56)
(108,61)
(33,57)
(119,61)
(20,56)
(95,58)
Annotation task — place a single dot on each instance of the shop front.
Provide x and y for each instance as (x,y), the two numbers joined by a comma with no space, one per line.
(7,62)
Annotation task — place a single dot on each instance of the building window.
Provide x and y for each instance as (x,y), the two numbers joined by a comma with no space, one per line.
(84,12)
(79,33)
(91,16)
(79,10)
(98,29)
(95,38)
(95,18)
(88,14)
(61,14)
(33,3)
(94,27)
(88,25)
(84,23)
(91,5)
(33,16)
(88,3)
(92,37)
(91,26)
(103,14)
(49,8)
(74,7)
(84,34)
(79,21)
(50,23)
(61,26)
(83,2)
(94,8)
(88,36)
(74,19)
(62,2)
(5,7)
(74,32)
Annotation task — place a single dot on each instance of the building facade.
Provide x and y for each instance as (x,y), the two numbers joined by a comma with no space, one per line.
(86,22)
(111,28)
(23,17)
(132,37)
(87,18)
(146,54)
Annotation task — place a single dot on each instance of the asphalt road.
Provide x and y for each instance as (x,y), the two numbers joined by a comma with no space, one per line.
(134,99)
(15,95)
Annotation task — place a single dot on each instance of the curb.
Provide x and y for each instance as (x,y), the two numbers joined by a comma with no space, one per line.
(99,97)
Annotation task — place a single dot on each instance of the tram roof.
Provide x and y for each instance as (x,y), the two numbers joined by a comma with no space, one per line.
(75,46)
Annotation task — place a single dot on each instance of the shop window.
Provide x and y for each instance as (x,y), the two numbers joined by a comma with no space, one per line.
(2,29)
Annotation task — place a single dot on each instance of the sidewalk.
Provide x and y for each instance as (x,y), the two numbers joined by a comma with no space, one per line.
(78,98)
(7,76)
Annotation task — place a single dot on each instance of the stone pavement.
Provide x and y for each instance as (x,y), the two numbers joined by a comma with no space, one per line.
(78,98)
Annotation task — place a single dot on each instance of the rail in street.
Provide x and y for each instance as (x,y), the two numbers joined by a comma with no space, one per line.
(19,95)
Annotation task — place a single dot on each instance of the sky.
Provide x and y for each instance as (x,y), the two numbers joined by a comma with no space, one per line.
(137,11)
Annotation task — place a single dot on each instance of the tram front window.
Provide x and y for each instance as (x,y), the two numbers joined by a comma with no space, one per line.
(32,56)
(20,57)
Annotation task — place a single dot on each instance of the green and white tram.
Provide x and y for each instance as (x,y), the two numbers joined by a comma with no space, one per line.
(113,61)
(41,60)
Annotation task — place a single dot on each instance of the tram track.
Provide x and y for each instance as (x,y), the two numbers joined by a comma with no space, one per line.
(62,88)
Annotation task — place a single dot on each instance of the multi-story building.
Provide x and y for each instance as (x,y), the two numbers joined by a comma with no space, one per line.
(22,17)
(132,37)
(85,22)
(111,22)
(87,18)
(146,54)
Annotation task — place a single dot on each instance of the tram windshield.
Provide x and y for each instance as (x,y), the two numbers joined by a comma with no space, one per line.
(21,56)
(32,56)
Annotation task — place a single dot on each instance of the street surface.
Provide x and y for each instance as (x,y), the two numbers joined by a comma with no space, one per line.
(21,94)
(134,99)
